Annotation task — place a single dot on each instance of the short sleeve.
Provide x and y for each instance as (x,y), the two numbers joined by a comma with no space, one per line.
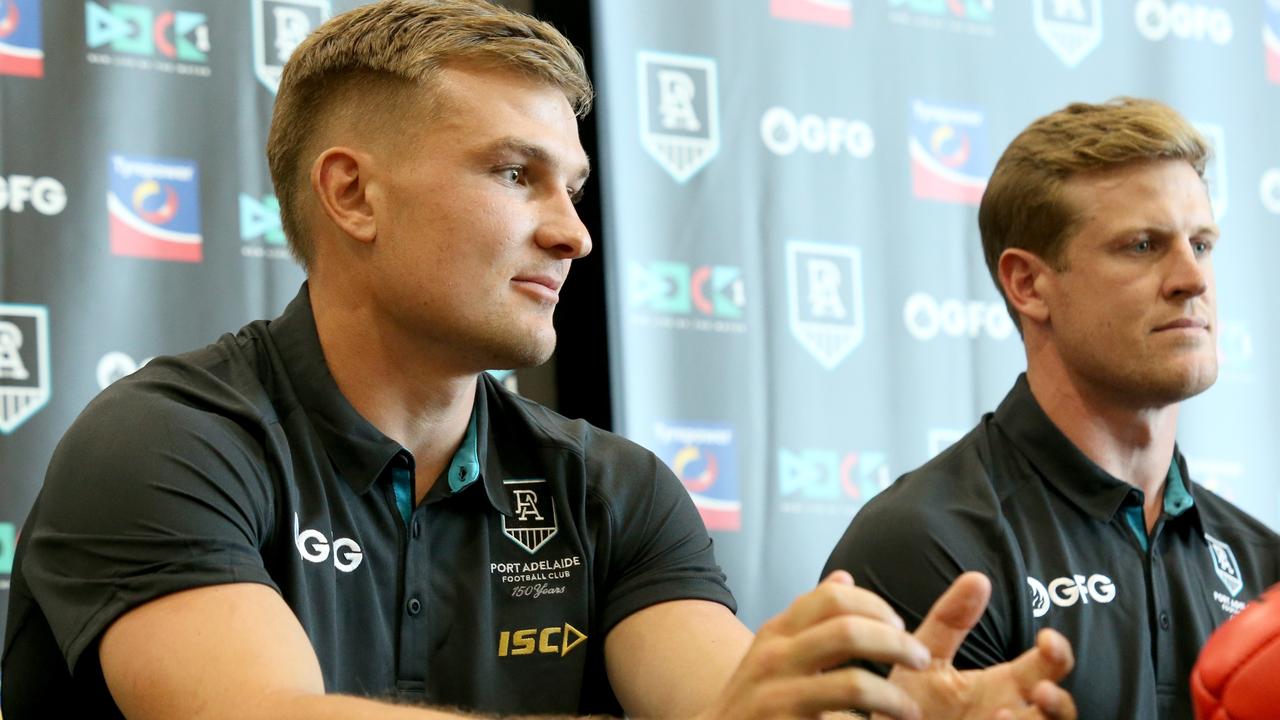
(910,543)
(147,494)
(653,543)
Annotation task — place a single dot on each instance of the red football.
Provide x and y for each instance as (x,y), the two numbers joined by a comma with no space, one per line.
(1235,677)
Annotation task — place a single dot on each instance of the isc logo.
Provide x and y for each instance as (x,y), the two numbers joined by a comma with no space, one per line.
(545,641)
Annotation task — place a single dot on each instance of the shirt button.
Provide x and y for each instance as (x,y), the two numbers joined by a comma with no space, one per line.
(417,529)
(1164,620)
(414,606)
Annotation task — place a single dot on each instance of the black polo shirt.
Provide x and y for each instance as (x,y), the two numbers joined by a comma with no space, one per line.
(1016,500)
(242,462)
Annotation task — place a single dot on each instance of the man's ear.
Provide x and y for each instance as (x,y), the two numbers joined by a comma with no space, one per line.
(340,181)
(1023,276)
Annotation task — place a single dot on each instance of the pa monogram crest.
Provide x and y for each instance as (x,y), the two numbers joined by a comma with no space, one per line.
(533,518)
(679,118)
(1225,565)
(279,26)
(24,363)
(824,298)
(1071,28)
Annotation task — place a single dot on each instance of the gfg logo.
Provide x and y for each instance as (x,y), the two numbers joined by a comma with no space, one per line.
(783,133)
(1067,591)
(926,317)
(1269,189)
(314,547)
(46,194)
(1158,19)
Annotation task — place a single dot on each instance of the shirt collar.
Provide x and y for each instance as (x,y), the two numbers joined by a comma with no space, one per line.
(358,450)
(1069,470)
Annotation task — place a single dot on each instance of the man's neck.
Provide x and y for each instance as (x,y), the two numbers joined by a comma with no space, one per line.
(394,384)
(1132,443)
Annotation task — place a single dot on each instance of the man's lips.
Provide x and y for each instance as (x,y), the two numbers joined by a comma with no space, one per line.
(1185,323)
(547,285)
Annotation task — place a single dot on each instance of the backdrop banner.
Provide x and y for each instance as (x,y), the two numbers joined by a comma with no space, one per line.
(800,308)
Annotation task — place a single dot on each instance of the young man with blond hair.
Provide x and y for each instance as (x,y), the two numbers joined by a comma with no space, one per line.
(1072,496)
(338,514)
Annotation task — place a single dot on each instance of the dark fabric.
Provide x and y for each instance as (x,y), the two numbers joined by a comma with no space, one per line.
(1016,500)
(242,462)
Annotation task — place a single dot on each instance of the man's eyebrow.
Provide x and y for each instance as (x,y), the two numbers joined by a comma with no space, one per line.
(533,152)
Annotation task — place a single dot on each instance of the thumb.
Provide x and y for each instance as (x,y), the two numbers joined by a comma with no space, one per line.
(1051,659)
(954,614)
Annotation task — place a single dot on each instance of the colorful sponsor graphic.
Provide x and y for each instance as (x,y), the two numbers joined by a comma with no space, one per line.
(25,382)
(824,299)
(1269,190)
(154,208)
(838,13)
(783,133)
(1271,39)
(948,150)
(45,195)
(8,543)
(702,455)
(139,37)
(679,113)
(21,51)
(1199,21)
(677,295)
(1071,28)
(824,481)
(1215,173)
(971,17)
(279,26)
(261,233)
(927,317)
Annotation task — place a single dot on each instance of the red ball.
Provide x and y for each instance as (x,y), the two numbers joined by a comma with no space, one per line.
(1237,676)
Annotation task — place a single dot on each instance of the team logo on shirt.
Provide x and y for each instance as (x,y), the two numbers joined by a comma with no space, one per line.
(24,363)
(1225,565)
(279,26)
(1071,28)
(824,284)
(533,515)
(1070,590)
(679,117)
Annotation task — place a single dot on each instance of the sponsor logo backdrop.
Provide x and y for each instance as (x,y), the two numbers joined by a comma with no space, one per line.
(791,216)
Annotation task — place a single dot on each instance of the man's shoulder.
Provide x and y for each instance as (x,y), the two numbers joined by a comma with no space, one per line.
(1226,521)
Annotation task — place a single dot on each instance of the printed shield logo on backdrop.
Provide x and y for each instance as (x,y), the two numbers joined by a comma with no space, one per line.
(679,114)
(824,299)
(154,208)
(1215,173)
(1071,28)
(25,384)
(1271,39)
(139,37)
(838,13)
(21,51)
(702,455)
(948,151)
(533,515)
(279,26)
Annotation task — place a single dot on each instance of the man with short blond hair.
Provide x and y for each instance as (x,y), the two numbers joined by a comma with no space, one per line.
(338,514)
(1072,496)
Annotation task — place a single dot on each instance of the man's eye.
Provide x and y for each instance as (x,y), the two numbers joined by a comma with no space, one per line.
(513,175)
(1142,246)
(1201,247)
